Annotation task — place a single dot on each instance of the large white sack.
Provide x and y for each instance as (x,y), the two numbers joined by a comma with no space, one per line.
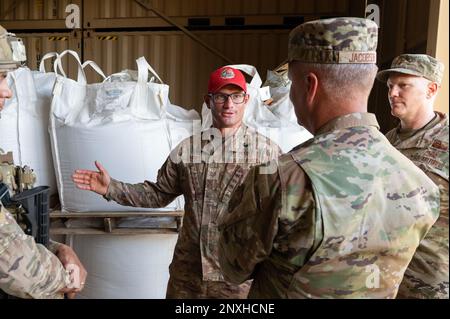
(123,125)
(179,120)
(278,82)
(124,267)
(24,122)
(281,130)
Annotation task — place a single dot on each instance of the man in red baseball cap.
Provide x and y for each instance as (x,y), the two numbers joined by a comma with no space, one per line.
(206,178)
(227,98)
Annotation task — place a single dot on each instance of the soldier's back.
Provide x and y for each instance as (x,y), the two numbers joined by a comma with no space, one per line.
(368,209)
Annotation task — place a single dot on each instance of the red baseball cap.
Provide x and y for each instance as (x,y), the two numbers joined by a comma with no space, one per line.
(224,76)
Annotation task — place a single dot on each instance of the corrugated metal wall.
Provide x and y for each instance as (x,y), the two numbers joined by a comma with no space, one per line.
(184,64)
(38,44)
(48,14)
(128,13)
(34,14)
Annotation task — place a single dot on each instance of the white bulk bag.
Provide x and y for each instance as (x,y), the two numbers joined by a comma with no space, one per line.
(125,267)
(126,126)
(120,124)
(24,121)
(180,121)
(280,85)
(257,115)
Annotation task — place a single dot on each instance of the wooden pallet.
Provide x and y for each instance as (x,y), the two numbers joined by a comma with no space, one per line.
(102,223)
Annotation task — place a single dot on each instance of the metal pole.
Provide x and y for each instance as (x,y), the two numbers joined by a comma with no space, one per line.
(146,4)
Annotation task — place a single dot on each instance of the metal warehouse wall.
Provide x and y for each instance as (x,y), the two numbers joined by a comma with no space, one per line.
(34,14)
(438,46)
(125,9)
(126,13)
(116,32)
(38,44)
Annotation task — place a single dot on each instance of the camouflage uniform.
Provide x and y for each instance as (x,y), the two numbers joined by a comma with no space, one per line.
(207,185)
(427,275)
(27,269)
(344,213)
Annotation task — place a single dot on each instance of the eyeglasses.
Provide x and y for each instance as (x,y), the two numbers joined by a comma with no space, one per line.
(221,98)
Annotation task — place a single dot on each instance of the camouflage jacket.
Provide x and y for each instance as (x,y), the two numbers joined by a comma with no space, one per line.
(206,175)
(427,275)
(341,218)
(27,269)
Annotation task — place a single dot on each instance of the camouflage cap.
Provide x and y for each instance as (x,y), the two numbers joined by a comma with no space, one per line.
(415,64)
(334,41)
(12,51)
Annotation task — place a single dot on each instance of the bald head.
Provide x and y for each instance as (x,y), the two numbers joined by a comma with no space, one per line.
(340,82)
(321,92)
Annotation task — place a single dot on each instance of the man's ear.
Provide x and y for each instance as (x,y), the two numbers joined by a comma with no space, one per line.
(207,99)
(312,84)
(432,89)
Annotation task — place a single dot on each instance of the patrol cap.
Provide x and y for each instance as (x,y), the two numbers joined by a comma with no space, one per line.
(334,41)
(415,64)
(224,76)
(12,51)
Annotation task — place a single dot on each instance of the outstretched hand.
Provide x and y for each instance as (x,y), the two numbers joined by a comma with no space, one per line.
(97,182)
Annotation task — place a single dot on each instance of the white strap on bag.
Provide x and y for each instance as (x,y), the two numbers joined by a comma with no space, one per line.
(118,74)
(143,69)
(81,78)
(18,114)
(56,111)
(142,105)
(95,66)
(46,57)
(256,81)
(59,110)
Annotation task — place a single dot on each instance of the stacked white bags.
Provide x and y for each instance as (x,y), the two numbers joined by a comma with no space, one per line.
(280,85)
(281,129)
(24,122)
(130,127)
(126,126)
(125,267)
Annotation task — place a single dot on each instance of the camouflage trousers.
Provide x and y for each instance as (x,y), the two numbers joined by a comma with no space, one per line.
(196,288)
